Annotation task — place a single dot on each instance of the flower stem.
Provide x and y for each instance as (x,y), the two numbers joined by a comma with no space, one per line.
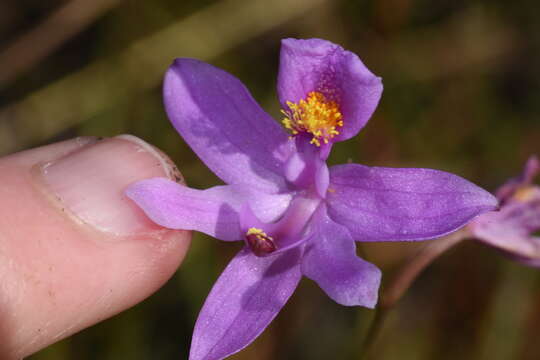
(403,279)
(373,332)
(416,264)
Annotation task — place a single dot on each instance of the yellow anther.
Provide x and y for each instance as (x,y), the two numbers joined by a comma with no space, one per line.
(525,193)
(257,232)
(315,115)
(260,243)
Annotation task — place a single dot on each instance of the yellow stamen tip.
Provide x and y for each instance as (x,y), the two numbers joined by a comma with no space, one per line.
(259,242)
(315,115)
(525,193)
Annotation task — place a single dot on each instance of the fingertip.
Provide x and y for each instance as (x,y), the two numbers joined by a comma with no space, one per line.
(65,262)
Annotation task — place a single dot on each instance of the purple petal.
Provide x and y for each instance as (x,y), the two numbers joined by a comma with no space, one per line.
(218,118)
(330,260)
(530,170)
(214,211)
(510,229)
(319,65)
(322,179)
(390,204)
(245,299)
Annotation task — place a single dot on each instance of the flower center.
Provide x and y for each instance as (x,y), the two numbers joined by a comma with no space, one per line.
(316,115)
(259,242)
(524,193)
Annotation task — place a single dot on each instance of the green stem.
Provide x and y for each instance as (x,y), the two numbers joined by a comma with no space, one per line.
(403,279)
(373,332)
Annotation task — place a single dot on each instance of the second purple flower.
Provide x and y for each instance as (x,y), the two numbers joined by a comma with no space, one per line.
(296,216)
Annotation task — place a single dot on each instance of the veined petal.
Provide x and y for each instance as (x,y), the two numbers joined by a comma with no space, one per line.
(510,230)
(321,66)
(214,211)
(330,260)
(244,300)
(218,118)
(391,204)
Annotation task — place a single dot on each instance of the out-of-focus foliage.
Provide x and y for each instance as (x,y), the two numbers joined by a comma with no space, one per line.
(462,94)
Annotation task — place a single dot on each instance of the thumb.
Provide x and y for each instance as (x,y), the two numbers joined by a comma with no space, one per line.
(73,249)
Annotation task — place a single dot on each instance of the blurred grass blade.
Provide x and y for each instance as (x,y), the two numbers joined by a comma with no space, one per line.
(77,97)
(35,45)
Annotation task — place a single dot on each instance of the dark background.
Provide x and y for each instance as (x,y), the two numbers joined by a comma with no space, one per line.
(462,94)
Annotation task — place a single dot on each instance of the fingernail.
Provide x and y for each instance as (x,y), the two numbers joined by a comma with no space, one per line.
(89,183)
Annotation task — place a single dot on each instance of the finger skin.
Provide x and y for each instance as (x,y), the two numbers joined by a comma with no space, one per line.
(59,275)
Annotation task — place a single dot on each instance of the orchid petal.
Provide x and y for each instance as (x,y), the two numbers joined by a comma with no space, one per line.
(244,300)
(322,179)
(214,211)
(218,118)
(510,229)
(530,170)
(319,65)
(330,260)
(391,204)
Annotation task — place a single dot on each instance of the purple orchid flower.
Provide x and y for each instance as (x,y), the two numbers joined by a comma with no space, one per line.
(511,230)
(296,216)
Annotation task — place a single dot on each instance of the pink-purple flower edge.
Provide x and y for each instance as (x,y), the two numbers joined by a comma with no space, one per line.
(297,216)
(511,229)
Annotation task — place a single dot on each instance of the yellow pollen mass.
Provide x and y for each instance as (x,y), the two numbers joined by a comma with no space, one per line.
(316,115)
(258,233)
(260,243)
(525,193)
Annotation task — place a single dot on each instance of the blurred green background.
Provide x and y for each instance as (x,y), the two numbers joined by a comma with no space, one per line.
(462,94)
